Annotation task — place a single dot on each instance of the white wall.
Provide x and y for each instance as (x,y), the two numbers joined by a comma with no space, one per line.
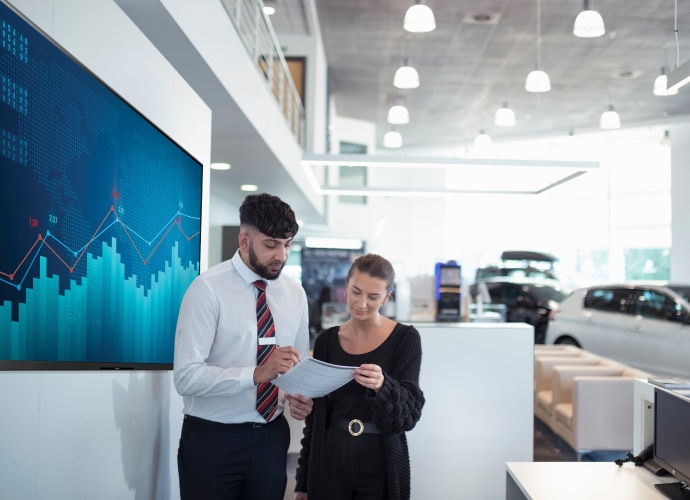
(102,435)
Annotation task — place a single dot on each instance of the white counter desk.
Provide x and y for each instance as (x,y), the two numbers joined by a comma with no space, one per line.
(581,480)
(478,381)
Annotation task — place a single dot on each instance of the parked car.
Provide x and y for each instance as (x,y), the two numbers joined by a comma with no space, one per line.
(526,300)
(644,325)
(519,264)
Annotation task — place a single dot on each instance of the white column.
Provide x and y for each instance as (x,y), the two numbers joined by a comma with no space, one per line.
(680,204)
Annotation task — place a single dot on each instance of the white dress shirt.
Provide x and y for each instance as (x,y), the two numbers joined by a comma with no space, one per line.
(216,339)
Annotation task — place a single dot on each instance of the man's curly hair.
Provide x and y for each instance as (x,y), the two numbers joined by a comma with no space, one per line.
(270,215)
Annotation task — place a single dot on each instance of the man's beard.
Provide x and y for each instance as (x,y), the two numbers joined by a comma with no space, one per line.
(259,268)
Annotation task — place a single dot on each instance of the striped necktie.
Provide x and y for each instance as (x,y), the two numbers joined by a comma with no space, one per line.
(266,393)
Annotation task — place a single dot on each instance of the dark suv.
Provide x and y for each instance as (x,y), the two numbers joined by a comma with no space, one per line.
(526,301)
(520,264)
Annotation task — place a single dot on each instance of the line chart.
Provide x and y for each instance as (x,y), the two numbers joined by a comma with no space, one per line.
(41,241)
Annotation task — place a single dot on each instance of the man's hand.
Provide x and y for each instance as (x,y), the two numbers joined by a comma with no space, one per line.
(300,406)
(280,361)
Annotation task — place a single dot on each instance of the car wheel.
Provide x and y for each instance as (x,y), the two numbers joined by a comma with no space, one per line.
(568,341)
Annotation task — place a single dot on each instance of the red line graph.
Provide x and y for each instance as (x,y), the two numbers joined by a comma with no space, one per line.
(40,240)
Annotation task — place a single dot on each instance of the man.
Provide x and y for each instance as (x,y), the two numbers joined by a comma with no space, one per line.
(233,447)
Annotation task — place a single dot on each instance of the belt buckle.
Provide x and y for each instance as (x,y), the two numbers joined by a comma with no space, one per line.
(353,422)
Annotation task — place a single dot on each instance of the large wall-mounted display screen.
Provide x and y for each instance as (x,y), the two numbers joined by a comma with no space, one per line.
(100,216)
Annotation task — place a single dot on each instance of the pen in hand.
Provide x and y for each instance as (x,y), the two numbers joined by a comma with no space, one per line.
(279,361)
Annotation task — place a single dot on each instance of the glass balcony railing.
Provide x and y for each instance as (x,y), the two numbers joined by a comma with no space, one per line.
(262,45)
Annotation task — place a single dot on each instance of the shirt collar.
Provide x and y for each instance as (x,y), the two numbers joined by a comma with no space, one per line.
(244,271)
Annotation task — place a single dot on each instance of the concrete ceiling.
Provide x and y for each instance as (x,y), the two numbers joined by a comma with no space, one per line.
(477,58)
(479,55)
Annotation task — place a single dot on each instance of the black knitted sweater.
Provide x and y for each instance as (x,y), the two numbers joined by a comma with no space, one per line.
(396,409)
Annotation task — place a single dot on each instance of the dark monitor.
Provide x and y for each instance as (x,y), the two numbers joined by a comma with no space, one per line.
(100,216)
(672,441)
(450,276)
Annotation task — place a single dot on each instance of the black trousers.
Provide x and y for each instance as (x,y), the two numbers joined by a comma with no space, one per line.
(233,461)
(354,466)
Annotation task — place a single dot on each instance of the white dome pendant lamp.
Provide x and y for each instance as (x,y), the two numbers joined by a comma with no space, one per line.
(537,80)
(406,77)
(588,23)
(419,18)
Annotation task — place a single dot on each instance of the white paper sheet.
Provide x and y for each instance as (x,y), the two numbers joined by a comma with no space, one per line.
(314,378)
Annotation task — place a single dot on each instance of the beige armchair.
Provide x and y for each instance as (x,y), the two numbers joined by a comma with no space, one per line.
(543,370)
(557,349)
(593,406)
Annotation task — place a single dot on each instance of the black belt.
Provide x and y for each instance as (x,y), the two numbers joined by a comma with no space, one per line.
(243,425)
(355,426)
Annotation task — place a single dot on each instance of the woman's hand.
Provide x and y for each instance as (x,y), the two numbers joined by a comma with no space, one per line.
(370,376)
(300,407)
(300,495)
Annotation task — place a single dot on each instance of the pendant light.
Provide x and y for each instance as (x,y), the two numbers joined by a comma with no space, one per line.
(398,114)
(588,23)
(505,117)
(537,80)
(482,139)
(661,85)
(392,139)
(269,9)
(419,18)
(406,77)
(610,119)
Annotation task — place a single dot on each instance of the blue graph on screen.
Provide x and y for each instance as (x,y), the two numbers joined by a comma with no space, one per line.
(100,214)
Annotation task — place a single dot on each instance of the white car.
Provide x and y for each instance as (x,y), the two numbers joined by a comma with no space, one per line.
(644,325)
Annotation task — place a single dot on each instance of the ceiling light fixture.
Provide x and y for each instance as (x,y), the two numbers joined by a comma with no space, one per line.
(505,117)
(269,7)
(419,18)
(610,119)
(678,77)
(661,85)
(406,77)
(482,139)
(537,80)
(588,23)
(220,166)
(392,140)
(469,175)
(249,187)
(681,74)
(398,114)
(321,242)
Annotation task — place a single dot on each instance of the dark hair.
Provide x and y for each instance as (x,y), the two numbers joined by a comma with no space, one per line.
(376,267)
(270,215)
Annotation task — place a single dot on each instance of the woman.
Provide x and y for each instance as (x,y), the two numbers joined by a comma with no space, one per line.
(354,444)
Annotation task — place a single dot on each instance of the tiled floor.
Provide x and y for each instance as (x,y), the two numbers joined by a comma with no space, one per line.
(550,448)
(547,448)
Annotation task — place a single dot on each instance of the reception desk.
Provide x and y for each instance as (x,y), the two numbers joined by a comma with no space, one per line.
(478,382)
(581,480)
